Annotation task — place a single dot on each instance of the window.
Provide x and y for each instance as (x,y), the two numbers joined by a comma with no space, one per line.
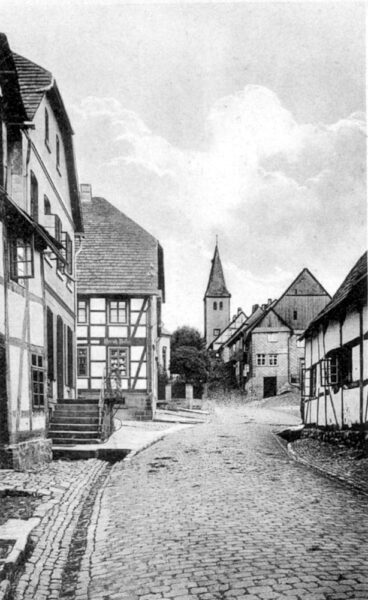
(300,343)
(118,362)
(34,197)
(261,359)
(221,305)
(295,315)
(272,359)
(216,332)
(272,337)
(117,311)
(50,345)
(82,311)
(38,381)
(67,252)
(215,306)
(46,205)
(337,367)
(58,237)
(47,129)
(164,358)
(313,381)
(21,258)
(82,361)
(57,152)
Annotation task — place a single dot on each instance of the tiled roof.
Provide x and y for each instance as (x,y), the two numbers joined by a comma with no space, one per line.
(345,292)
(117,256)
(216,284)
(33,82)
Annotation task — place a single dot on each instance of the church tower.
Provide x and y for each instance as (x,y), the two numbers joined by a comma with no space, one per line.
(216,301)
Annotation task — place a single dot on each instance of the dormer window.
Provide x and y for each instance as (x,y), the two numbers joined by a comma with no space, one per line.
(57,152)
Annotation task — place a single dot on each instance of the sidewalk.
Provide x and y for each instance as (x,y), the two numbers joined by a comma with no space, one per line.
(52,500)
(342,463)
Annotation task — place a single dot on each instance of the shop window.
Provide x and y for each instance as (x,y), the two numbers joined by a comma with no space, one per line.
(21,258)
(38,381)
(118,362)
(82,361)
(117,311)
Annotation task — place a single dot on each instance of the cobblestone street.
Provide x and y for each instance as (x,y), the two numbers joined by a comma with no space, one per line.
(220,511)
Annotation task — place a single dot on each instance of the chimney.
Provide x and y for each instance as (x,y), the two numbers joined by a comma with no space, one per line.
(239,310)
(254,307)
(269,301)
(263,306)
(85,192)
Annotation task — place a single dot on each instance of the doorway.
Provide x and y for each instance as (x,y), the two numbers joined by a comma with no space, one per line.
(269,386)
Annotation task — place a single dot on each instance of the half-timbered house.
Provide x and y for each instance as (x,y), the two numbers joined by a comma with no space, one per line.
(40,215)
(335,386)
(120,293)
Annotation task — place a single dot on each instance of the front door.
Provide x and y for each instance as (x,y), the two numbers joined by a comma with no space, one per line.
(269,387)
(60,357)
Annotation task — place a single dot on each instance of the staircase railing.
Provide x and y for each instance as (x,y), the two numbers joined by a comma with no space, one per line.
(101,401)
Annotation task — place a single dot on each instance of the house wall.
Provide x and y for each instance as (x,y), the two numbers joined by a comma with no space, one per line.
(137,336)
(261,344)
(338,406)
(53,183)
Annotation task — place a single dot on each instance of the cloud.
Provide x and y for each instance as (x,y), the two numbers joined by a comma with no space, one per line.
(281,195)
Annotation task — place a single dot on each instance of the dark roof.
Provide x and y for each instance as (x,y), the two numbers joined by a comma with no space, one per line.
(350,289)
(117,256)
(216,284)
(33,81)
(12,101)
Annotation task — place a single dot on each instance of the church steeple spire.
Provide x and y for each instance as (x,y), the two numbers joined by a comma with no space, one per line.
(216,284)
(216,300)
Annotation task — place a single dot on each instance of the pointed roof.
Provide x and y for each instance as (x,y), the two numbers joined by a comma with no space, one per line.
(117,255)
(216,287)
(354,287)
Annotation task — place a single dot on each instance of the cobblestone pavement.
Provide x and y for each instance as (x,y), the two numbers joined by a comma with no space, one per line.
(63,487)
(219,511)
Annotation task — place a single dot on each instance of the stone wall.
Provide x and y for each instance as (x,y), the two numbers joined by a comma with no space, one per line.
(353,437)
(28,455)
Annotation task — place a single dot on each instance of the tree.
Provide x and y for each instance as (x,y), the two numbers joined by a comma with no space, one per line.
(186,336)
(188,357)
(190,363)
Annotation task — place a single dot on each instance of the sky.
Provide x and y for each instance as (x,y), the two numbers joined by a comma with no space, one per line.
(243,120)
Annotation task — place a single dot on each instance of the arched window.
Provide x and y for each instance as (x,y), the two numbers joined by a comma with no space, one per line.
(34,197)
(47,205)
(215,306)
(221,305)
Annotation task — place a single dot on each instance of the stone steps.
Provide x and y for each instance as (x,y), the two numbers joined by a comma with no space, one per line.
(75,422)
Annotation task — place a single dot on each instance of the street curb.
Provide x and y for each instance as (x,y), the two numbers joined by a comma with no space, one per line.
(343,480)
(134,453)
